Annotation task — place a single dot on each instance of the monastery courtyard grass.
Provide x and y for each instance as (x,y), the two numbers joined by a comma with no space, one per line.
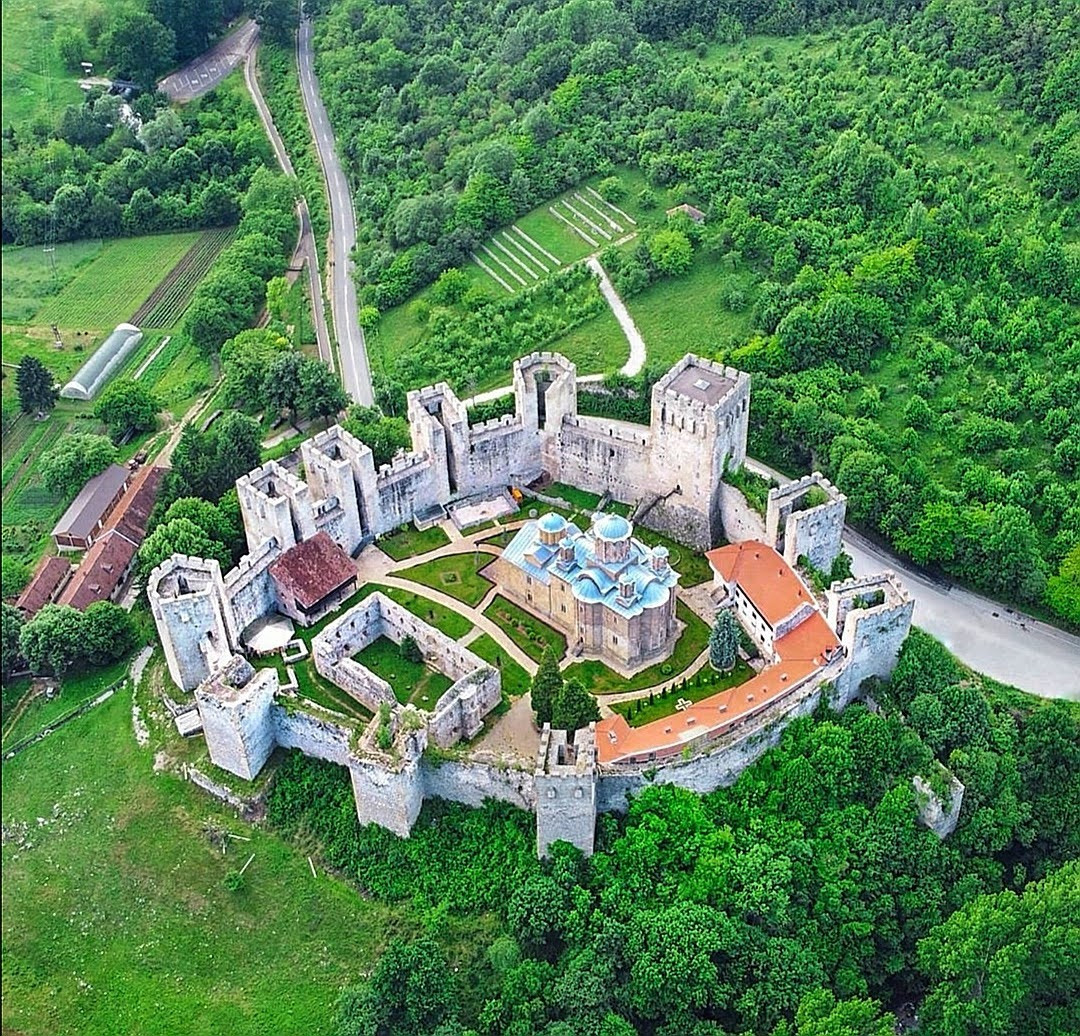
(596,677)
(525,630)
(455,574)
(413,682)
(515,681)
(116,918)
(704,684)
(407,542)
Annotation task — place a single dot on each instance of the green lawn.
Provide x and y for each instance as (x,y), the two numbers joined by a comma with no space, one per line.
(707,682)
(30,277)
(515,681)
(455,574)
(413,682)
(408,541)
(596,677)
(690,563)
(116,918)
(442,618)
(525,630)
(36,83)
(679,315)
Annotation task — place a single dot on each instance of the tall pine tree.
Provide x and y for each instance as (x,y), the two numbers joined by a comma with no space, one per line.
(723,641)
(34,385)
(546,684)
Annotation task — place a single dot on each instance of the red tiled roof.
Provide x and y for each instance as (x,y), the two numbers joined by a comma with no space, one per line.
(772,585)
(49,577)
(312,569)
(101,571)
(133,511)
(802,652)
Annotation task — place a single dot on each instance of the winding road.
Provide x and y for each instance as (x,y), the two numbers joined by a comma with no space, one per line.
(306,252)
(355,372)
(1000,642)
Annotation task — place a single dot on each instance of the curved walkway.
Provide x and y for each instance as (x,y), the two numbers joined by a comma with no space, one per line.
(637,344)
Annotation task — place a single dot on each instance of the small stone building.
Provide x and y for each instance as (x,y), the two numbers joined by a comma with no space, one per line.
(610,594)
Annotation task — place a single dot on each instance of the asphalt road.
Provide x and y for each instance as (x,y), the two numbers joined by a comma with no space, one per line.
(355,372)
(203,73)
(1002,643)
(306,252)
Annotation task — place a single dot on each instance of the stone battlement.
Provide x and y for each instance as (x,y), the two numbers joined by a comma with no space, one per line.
(253,563)
(796,531)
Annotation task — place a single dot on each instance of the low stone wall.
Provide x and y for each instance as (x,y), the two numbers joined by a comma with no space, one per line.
(220,792)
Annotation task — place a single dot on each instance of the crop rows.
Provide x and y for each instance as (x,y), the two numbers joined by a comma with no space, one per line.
(170,298)
(109,289)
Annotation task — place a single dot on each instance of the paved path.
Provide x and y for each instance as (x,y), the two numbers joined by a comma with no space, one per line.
(355,372)
(306,253)
(202,74)
(1004,644)
(636,360)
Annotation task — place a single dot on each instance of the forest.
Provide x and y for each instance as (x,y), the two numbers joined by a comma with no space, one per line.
(901,181)
(806,898)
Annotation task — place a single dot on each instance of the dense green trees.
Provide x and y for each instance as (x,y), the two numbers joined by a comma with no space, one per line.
(100,173)
(35,386)
(545,687)
(789,904)
(127,406)
(573,707)
(11,624)
(384,435)
(74,459)
(207,464)
(59,638)
(194,526)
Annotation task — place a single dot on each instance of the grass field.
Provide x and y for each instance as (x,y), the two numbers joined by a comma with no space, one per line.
(413,682)
(525,630)
(116,918)
(596,677)
(515,681)
(169,299)
(456,574)
(112,287)
(35,81)
(408,541)
(30,279)
(704,684)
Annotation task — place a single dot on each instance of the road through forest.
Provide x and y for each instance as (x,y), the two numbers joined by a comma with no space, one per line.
(352,350)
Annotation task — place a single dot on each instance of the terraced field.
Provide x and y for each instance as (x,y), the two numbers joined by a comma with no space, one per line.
(167,302)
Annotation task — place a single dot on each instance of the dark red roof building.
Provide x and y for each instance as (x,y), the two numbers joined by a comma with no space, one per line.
(313,578)
(48,580)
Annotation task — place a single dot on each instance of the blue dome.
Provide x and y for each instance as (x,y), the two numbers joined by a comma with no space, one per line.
(552,522)
(586,590)
(654,594)
(611,527)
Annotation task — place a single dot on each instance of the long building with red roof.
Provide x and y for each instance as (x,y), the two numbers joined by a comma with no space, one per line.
(782,616)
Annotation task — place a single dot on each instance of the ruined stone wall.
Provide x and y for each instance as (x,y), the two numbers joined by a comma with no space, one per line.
(238,723)
(249,588)
(815,532)
(604,456)
(470,783)
(460,711)
(940,815)
(501,453)
(193,618)
(390,796)
(317,736)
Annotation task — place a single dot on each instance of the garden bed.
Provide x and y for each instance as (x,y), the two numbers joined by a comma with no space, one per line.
(525,630)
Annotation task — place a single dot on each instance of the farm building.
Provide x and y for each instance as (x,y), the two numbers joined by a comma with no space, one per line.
(687,210)
(106,361)
(49,579)
(109,562)
(80,523)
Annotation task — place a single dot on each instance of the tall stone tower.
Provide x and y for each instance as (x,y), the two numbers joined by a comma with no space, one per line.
(566,789)
(440,429)
(545,391)
(340,472)
(236,708)
(806,518)
(389,789)
(275,505)
(871,616)
(699,419)
(193,618)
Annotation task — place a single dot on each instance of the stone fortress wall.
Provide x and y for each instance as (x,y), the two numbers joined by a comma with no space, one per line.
(671,472)
(797,530)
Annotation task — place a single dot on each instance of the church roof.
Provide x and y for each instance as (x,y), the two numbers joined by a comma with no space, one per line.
(590,579)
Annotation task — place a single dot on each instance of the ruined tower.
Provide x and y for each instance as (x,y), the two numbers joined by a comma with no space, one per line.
(340,472)
(566,789)
(275,504)
(806,519)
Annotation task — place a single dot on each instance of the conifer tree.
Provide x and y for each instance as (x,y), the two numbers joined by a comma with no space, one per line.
(546,684)
(574,707)
(723,641)
(34,384)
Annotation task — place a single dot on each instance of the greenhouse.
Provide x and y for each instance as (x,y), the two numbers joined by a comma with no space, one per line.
(105,362)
